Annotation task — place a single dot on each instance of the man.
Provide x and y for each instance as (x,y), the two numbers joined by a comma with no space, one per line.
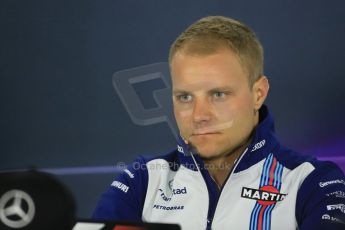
(229,171)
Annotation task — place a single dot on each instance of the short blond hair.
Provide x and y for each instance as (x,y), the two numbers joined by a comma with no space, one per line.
(210,34)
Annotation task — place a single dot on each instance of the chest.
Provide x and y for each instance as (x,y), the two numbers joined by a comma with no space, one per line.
(245,202)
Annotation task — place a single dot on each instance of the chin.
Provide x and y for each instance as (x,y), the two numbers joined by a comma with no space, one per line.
(207,153)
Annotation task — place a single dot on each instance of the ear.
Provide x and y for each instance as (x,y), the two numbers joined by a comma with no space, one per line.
(260,91)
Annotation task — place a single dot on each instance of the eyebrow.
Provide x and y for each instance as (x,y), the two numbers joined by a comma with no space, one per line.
(221,89)
(179,91)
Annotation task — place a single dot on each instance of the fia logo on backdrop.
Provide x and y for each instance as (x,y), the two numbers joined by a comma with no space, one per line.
(127,83)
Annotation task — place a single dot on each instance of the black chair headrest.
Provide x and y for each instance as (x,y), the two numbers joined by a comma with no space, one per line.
(34,200)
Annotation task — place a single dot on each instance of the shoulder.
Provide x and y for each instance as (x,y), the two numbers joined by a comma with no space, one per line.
(321,189)
(293,160)
(124,199)
(309,169)
(170,160)
(321,197)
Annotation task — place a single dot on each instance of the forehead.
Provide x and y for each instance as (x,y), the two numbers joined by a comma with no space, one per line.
(217,69)
(204,46)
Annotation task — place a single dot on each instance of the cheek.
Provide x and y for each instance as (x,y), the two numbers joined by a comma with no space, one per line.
(225,112)
(225,116)
(235,112)
(183,118)
(245,116)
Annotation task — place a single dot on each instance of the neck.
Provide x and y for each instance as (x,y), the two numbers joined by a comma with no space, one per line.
(219,168)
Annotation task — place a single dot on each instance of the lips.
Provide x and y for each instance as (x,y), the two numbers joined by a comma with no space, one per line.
(204,133)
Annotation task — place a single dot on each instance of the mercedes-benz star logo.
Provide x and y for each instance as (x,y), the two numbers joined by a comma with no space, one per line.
(17,209)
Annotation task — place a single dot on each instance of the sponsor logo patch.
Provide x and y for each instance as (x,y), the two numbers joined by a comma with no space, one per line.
(180,149)
(341,207)
(324,184)
(328,217)
(339,194)
(176,191)
(162,207)
(266,195)
(258,145)
(167,195)
(130,174)
(119,185)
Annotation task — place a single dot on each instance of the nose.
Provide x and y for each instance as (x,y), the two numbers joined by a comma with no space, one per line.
(202,112)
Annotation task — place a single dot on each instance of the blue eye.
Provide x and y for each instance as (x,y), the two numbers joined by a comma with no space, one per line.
(184,98)
(219,94)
